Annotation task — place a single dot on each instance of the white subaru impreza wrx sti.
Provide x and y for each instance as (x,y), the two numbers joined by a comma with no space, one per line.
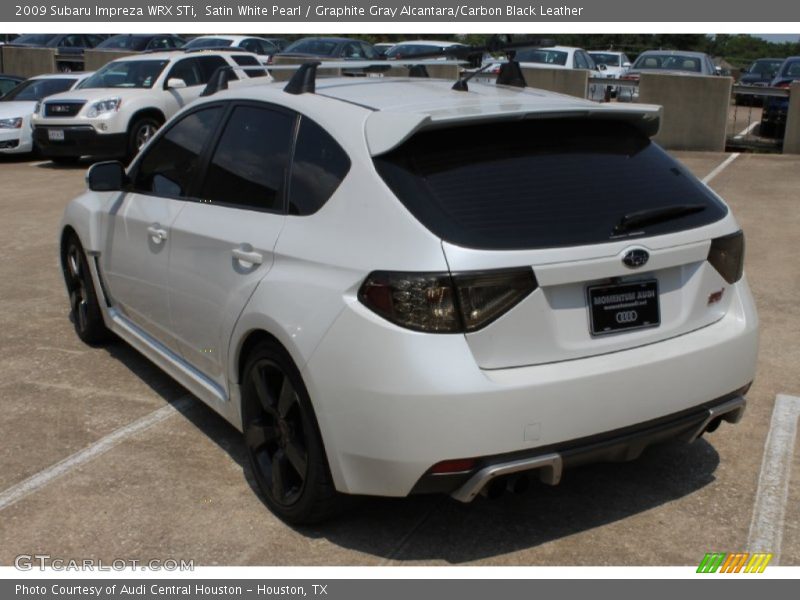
(392,286)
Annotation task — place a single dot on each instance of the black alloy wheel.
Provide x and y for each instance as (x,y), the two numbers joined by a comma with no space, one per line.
(282,438)
(84,307)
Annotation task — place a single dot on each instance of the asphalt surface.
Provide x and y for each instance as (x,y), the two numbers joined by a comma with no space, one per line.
(175,486)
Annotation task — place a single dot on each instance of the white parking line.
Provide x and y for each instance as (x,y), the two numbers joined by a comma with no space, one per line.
(746,131)
(721,167)
(42,478)
(766,527)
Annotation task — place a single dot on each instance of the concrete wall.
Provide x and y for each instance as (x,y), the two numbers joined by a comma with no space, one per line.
(573,82)
(450,72)
(695,109)
(791,140)
(94,59)
(281,75)
(27,62)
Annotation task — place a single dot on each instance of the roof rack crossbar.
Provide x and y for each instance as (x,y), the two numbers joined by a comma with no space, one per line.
(215,49)
(461,84)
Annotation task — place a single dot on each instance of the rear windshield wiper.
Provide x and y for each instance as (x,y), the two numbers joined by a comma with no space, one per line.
(655,215)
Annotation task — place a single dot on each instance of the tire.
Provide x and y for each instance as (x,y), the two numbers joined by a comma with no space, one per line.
(282,439)
(140,132)
(85,311)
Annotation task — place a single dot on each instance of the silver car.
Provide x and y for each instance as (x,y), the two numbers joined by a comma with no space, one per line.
(672,62)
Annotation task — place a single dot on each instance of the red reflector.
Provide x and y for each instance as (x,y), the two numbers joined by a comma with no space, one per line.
(453,466)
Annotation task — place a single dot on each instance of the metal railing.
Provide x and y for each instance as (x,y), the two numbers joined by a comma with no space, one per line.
(757,118)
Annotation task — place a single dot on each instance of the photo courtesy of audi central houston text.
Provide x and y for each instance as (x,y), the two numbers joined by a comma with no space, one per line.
(471,276)
(316,282)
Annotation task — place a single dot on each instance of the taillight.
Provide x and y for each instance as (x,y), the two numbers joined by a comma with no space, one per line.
(727,256)
(445,303)
(784,84)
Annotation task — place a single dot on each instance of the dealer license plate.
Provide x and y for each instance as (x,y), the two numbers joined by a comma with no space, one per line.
(625,306)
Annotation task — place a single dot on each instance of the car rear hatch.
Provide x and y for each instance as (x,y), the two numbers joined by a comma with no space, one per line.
(616,232)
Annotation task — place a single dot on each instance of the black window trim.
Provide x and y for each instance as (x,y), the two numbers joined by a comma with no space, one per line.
(203,157)
(205,161)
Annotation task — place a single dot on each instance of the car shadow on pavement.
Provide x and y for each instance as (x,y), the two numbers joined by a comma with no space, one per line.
(437,528)
(82,164)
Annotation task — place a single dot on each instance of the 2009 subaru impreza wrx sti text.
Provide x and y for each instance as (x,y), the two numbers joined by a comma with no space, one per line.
(392,286)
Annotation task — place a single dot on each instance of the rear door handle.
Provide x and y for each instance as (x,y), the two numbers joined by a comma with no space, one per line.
(157,233)
(248,256)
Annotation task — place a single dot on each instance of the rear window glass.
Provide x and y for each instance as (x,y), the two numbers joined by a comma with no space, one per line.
(545,57)
(541,184)
(671,62)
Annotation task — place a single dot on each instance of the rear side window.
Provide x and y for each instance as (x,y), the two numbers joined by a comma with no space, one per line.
(541,184)
(245,60)
(208,65)
(187,69)
(318,168)
(171,163)
(249,165)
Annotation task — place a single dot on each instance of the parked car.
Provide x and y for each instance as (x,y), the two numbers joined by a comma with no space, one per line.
(8,83)
(18,106)
(616,64)
(759,74)
(394,288)
(331,48)
(773,116)
(382,47)
(281,43)
(69,47)
(117,110)
(564,57)
(135,42)
(413,48)
(669,62)
(264,48)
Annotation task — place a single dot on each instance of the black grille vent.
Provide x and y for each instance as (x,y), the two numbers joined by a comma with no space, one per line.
(62,109)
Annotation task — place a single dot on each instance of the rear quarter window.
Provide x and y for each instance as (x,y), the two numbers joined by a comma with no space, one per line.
(540,184)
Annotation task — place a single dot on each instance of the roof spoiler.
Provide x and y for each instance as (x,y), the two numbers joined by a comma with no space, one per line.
(385,130)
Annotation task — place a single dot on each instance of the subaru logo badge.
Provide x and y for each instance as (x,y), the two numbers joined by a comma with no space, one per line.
(636,258)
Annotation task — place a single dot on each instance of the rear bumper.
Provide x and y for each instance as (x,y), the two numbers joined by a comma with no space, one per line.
(623,445)
(79,140)
(392,403)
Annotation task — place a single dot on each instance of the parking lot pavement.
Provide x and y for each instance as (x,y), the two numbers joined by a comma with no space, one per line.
(95,466)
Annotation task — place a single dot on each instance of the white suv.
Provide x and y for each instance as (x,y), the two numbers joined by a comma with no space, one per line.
(392,287)
(116,111)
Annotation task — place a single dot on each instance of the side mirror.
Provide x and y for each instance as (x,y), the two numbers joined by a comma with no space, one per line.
(718,70)
(175,83)
(106,176)
(602,67)
(626,65)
